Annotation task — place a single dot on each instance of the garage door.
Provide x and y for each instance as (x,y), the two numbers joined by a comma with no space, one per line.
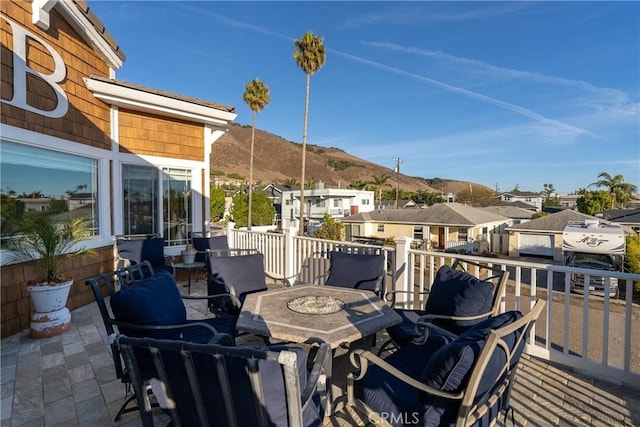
(536,244)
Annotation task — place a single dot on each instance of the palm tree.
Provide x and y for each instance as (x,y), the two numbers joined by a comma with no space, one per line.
(616,186)
(256,96)
(310,57)
(379,181)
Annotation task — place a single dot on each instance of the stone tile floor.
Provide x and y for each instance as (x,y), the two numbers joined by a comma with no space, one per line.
(69,380)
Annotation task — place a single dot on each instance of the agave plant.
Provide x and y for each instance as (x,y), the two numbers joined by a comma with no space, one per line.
(46,241)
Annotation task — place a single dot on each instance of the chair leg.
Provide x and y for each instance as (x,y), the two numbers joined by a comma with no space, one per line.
(124,409)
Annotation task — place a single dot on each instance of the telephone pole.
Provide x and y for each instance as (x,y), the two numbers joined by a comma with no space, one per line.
(398,160)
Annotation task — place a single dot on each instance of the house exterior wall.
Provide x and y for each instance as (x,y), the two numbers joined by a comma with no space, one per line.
(38,118)
(87,119)
(151,135)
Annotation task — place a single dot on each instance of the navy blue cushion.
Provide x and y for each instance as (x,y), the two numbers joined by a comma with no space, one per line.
(240,274)
(152,301)
(362,271)
(457,293)
(201,244)
(237,370)
(449,368)
(138,250)
(386,394)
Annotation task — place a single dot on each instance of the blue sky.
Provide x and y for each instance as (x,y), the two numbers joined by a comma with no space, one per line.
(498,93)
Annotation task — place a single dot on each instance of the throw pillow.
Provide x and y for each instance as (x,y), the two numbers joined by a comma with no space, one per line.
(458,293)
(152,301)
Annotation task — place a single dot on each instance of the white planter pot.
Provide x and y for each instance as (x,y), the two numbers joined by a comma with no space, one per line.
(188,257)
(48,298)
(51,317)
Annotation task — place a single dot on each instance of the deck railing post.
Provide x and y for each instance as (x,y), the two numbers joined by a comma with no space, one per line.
(289,252)
(402,274)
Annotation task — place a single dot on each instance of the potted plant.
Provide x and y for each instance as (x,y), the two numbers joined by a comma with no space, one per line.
(46,241)
(189,254)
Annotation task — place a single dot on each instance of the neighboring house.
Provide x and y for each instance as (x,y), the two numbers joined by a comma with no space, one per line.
(569,200)
(523,199)
(139,155)
(516,214)
(445,225)
(337,202)
(542,237)
(628,217)
(402,204)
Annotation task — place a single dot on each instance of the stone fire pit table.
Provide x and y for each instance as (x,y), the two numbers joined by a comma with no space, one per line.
(333,314)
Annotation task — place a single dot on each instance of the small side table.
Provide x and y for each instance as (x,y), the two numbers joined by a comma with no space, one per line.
(189,267)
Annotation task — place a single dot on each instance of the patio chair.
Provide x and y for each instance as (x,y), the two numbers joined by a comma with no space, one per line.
(456,301)
(237,275)
(135,248)
(143,303)
(464,383)
(218,385)
(356,270)
(203,244)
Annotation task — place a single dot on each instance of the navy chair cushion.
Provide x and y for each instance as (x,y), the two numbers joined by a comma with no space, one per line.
(457,293)
(138,250)
(240,274)
(386,394)
(201,244)
(151,301)
(362,271)
(449,368)
(213,389)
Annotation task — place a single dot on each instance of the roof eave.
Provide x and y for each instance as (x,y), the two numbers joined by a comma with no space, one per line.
(139,100)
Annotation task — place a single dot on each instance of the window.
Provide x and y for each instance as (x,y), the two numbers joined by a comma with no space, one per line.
(417,232)
(176,206)
(37,179)
(337,203)
(462,234)
(320,203)
(142,204)
(365,202)
(380,228)
(140,199)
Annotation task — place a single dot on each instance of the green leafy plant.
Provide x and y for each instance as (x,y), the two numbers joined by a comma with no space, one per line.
(47,241)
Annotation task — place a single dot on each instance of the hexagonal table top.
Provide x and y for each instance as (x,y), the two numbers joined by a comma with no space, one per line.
(345,314)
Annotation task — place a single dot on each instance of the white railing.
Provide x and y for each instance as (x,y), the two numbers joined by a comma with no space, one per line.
(597,335)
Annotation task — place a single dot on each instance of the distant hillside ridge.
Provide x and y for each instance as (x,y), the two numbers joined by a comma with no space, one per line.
(277,160)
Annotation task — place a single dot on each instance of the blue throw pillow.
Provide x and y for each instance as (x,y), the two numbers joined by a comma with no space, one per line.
(153,251)
(449,368)
(458,293)
(152,301)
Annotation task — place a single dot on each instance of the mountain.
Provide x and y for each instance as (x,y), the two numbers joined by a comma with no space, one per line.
(276,160)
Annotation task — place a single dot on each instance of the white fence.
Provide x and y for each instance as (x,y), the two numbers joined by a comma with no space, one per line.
(597,335)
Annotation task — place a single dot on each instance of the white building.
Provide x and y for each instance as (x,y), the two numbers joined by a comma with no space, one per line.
(337,202)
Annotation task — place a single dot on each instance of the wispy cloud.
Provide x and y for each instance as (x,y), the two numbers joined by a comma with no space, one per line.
(185,6)
(607,98)
(420,13)
(560,127)
(470,94)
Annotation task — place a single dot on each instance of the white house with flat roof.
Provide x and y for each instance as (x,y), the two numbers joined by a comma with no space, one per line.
(337,202)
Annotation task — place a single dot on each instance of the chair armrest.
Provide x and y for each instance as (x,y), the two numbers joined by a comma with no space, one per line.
(286,280)
(139,327)
(361,359)
(391,295)
(320,375)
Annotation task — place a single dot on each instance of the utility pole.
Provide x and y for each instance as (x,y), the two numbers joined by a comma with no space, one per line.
(398,160)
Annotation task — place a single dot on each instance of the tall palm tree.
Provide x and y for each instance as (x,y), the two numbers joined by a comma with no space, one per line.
(615,185)
(310,57)
(256,96)
(379,181)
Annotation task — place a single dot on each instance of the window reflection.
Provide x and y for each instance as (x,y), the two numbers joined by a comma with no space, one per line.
(41,180)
